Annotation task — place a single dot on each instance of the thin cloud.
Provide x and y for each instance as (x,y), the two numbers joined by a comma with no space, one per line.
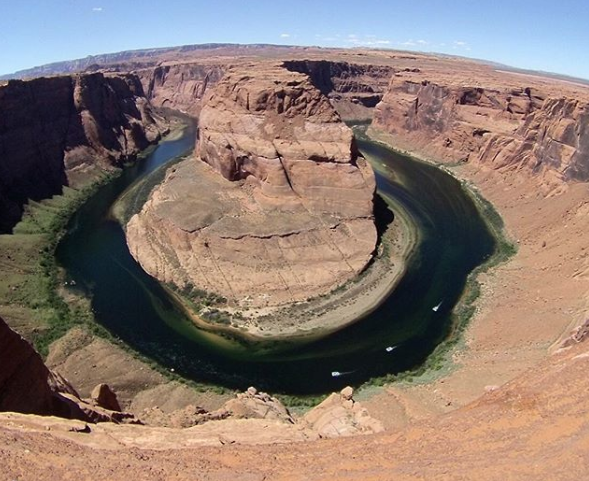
(460,45)
(284,35)
(366,41)
(97,9)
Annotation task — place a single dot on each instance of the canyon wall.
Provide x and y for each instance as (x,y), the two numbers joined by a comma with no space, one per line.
(28,386)
(282,212)
(353,89)
(507,127)
(180,86)
(53,129)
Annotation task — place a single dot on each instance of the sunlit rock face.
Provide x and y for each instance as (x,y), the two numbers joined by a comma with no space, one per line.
(277,206)
(506,126)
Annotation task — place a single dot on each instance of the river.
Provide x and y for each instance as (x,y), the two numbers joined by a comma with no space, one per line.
(454,240)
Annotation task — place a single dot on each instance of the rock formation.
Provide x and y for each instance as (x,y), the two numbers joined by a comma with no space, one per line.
(289,217)
(339,415)
(180,87)
(506,127)
(53,130)
(27,386)
(258,405)
(103,396)
(353,89)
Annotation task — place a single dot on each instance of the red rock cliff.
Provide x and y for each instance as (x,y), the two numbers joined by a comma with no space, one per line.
(180,87)
(28,386)
(51,129)
(511,127)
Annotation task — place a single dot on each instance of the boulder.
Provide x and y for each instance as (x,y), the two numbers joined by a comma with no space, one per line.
(257,405)
(103,396)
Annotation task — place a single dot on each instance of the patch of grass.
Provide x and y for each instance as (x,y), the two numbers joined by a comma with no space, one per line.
(300,403)
(30,275)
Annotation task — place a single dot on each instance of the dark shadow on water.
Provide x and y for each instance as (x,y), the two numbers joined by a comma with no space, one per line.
(383,216)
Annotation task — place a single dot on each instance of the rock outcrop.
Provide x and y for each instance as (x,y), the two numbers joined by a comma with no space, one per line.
(253,404)
(103,396)
(353,89)
(339,415)
(28,386)
(52,130)
(510,127)
(289,217)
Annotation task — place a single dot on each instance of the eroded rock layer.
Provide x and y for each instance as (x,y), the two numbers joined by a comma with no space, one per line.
(181,87)
(291,214)
(507,127)
(354,89)
(53,129)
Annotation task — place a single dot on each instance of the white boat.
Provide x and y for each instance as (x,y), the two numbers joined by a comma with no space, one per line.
(390,348)
(435,308)
(338,374)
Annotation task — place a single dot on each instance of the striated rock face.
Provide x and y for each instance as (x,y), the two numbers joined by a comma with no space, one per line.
(289,217)
(353,89)
(508,128)
(553,139)
(277,127)
(182,86)
(53,129)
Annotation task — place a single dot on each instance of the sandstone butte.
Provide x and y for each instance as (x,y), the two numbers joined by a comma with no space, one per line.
(276,208)
(514,404)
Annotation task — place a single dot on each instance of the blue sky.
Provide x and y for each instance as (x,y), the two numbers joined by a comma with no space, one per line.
(539,34)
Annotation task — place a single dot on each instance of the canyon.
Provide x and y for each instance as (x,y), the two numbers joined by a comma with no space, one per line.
(517,384)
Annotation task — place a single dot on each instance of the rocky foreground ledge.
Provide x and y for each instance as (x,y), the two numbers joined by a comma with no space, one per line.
(276,208)
(28,387)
